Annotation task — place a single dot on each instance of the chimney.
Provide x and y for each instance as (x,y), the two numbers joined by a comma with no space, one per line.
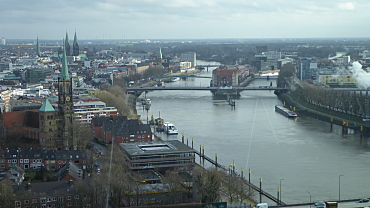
(29,186)
(71,183)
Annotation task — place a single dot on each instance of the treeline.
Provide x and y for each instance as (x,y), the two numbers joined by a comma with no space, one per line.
(349,102)
(115,95)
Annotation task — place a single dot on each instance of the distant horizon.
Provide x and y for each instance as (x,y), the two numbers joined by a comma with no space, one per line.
(184,39)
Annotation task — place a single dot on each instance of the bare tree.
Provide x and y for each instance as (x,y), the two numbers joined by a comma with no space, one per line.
(82,133)
(207,184)
(6,194)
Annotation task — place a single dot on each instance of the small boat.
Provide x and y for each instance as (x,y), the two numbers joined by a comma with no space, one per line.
(169,128)
(285,112)
(175,79)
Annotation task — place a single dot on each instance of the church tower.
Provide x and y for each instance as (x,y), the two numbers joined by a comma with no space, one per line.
(67,47)
(76,48)
(47,126)
(65,105)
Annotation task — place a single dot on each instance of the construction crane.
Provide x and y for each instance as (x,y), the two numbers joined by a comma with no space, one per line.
(19,48)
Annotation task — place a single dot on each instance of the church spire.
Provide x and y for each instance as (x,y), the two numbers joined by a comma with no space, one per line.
(76,48)
(65,75)
(160,54)
(67,46)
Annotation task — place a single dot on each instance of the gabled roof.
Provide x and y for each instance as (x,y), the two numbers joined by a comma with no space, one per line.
(52,188)
(47,107)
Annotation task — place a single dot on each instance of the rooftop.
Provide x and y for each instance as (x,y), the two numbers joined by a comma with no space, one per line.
(155,147)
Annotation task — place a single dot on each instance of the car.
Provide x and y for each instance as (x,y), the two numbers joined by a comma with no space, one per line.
(320,204)
(363,200)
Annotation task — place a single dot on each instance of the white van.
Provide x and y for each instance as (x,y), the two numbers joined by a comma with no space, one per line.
(262,205)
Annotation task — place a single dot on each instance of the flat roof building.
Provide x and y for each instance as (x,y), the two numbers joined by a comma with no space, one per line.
(159,155)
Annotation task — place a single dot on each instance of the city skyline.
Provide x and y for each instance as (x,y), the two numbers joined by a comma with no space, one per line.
(184,19)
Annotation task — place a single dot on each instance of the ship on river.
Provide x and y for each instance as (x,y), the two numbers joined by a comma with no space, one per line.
(285,112)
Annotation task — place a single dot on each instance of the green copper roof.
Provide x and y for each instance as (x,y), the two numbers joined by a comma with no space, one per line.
(75,40)
(65,75)
(66,40)
(46,106)
(160,52)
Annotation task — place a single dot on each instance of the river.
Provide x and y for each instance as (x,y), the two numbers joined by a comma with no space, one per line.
(302,154)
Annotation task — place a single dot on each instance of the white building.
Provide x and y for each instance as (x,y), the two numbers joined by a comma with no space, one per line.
(189,57)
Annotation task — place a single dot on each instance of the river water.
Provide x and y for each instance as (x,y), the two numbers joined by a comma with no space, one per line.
(302,154)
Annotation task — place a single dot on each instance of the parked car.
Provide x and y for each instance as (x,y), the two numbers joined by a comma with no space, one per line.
(363,200)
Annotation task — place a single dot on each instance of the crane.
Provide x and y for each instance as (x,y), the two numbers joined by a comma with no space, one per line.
(19,48)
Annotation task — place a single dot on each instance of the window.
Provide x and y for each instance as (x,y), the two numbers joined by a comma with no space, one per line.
(34,201)
(77,197)
(26,161)
(26,201)
(69,204)
(17,204)
(68,197)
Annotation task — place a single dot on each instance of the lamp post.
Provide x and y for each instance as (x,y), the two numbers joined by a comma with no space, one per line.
(310,198)
(280,190)
(339,186)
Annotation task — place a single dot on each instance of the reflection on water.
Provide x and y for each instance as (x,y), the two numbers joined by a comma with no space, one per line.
(305,152)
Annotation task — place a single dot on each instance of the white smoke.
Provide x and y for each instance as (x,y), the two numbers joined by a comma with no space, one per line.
(362,77)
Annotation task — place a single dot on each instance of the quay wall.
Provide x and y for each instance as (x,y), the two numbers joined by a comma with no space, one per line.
(325,115)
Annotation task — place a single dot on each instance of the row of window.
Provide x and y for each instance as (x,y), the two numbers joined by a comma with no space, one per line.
(44,200)
(144,157)
(162,163)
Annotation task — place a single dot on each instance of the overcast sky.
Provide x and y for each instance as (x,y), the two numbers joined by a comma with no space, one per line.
(184,19)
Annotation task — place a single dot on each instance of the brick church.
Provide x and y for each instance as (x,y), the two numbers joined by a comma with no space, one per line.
(48,127)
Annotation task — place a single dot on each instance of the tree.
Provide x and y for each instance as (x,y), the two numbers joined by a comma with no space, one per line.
(286,73)
(172,182)
(82,134)
(6,194)
(207,184)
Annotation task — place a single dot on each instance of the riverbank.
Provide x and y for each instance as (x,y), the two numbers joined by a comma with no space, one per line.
(338,118)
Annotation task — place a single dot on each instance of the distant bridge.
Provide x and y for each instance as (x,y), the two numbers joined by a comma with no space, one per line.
(180,76)
(205,88)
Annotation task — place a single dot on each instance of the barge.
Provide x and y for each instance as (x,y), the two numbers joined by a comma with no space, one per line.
(285,112)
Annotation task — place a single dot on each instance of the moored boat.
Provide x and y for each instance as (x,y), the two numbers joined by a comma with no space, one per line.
(169,128)
(285,112)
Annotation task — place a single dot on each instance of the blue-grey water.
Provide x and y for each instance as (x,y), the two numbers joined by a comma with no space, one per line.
(302,151)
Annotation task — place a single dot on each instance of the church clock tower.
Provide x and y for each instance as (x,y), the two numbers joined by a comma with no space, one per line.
(65,107)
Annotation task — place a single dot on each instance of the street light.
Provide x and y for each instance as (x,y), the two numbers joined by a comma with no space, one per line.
(310,198)
(280,190)
(339,186)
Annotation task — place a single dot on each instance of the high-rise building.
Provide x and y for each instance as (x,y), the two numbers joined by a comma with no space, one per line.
(3,41)
(190,57)
(307,69)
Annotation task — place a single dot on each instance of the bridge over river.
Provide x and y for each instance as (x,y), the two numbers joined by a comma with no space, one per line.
(136,89)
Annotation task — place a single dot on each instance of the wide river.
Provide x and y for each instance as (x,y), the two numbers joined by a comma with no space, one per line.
(301,154)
